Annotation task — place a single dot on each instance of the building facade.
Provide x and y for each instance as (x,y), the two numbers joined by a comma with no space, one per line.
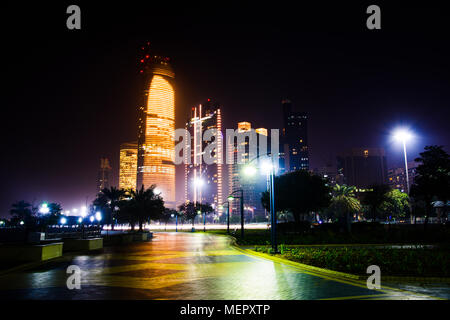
(156,144)
(128,165)
(397,176)
(363,167)
(294,153)
(253,186)
(204,181)
(104,174)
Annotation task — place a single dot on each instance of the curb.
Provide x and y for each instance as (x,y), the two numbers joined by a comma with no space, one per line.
(333,273)
(342,274)
(307,267)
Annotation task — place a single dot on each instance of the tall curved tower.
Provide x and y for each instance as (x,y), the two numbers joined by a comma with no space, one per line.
(156,139)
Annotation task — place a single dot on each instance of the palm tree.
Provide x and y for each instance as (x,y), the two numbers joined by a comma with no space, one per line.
(345,203)
(145,205)
(108,200)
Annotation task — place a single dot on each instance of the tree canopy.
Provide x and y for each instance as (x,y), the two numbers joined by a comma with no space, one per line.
(299,192)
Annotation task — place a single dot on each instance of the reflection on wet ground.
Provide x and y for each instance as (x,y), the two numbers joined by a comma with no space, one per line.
(191,266)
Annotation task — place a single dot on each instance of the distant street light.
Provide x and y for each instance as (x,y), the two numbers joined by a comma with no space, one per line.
(44,209)
(403,135)
(63,220)
(83,211)
(228,214)
(241,198)
(198,184)
(91,219)
(98,216)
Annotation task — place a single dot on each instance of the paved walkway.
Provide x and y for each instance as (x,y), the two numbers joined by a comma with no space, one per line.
(185,266)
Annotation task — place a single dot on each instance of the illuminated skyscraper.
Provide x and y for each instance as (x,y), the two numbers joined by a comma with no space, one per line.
(156,144)
(204,182)
(252,186)
(128,165)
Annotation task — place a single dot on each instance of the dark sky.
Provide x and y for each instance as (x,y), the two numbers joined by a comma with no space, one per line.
(69,97)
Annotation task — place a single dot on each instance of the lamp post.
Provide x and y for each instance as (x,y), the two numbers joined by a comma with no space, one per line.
(198,183)
(228,215)
(241,198)
(269,168)
(403,136)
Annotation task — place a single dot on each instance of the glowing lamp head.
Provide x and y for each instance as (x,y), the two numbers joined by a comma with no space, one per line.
(44,209)
(83,211)
(98,216)
(250,170)
(91,219)
(266,166)
(230,198)
(402,135)
(63,220)
(198,183)
(80,219)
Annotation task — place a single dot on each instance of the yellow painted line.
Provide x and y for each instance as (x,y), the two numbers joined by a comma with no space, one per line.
(357,297)
(307,270)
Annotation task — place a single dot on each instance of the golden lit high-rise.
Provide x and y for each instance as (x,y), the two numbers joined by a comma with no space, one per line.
(128,165)
(157,127)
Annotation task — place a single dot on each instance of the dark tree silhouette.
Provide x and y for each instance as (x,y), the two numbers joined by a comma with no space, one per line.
(108,200)
(433,178)
(299,192)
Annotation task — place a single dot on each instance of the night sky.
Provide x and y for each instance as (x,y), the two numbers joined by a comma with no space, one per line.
(71,95)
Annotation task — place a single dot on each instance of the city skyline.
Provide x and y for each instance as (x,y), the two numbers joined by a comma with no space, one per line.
(366,96)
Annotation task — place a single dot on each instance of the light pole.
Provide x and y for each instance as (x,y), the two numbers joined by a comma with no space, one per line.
(403,136)
(241,198)
(228,215)
(269,168)
(198,183)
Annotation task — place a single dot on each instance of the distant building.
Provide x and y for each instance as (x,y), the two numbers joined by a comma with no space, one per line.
(252,186)
(363,167)
(397,177)
(294,154)
(328,172)
(156,143)
(103,174)
(204,182)
(128,165)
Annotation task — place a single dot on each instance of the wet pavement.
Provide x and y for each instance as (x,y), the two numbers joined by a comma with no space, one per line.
(191,266)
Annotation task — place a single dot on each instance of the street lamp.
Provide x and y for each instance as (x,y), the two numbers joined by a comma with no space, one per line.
(269,168)
(63,220)
(44,209)
(198,184)
(403,135)
(241,198)
(228,215)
